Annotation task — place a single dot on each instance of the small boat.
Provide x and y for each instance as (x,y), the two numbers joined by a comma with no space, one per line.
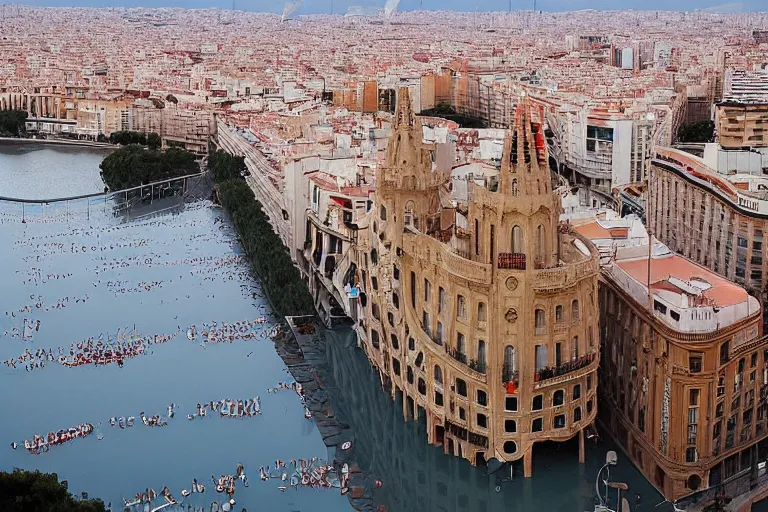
(131,420)
(190,334)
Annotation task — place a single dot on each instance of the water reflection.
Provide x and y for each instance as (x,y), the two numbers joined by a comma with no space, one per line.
(158,274)
(420,477)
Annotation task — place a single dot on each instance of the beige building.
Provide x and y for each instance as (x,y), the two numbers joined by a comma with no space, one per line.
(682,365)
(716,220)
(741,118)
(481,315)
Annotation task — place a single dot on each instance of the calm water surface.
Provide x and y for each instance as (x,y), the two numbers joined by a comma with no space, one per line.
(186,258)
(104,264)
(38,171)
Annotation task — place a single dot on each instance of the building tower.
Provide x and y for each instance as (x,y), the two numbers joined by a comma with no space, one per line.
(483,315)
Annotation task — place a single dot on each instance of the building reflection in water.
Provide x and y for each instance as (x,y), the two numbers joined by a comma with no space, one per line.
(420,477)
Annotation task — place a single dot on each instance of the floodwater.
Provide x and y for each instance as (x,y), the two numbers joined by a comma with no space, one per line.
(27,168)
(188,258)
(97,269)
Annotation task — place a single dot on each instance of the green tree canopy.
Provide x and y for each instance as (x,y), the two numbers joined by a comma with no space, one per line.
(133,165)
(12,123)
(24,491)
(699,131)
(225,166)
(127,137)
(269,258)
(446,111)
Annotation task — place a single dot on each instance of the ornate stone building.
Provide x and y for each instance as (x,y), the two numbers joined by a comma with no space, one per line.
(482,314)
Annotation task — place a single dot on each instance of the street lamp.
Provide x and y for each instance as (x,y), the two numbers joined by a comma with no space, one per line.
(611,459)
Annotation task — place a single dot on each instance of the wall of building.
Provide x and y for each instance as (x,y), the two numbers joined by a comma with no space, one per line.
(682,406)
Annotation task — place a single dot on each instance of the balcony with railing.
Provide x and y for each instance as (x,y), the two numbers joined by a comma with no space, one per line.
(563,371)
(509,375)
(472,364)
(512,261)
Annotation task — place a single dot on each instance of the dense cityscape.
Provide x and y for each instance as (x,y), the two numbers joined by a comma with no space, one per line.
(537,235)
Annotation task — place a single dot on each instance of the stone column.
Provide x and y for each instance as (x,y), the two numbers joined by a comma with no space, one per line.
(528,462)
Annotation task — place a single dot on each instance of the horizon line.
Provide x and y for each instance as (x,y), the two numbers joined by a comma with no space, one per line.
(702,10)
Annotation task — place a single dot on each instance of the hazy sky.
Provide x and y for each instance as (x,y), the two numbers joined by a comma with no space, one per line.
(340,6)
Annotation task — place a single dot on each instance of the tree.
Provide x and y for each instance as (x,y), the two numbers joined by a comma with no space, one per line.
(12,123)
(133,165)
(699,131)
(225,166)
(22,491)
(270,259)
(125,138)
(154,141)
(446,111)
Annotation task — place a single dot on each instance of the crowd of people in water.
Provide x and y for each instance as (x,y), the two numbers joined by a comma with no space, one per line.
(228,408)
(313,473)
(109,258)
(228,333)
(125,345)
(225,484)
(39,444)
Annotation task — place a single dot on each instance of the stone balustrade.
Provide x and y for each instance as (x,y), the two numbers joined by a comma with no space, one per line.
(429,249)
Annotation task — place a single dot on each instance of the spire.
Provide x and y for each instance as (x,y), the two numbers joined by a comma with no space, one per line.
(406,136)
(521,173)
(404,119)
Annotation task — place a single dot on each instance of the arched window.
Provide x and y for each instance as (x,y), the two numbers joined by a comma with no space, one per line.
(540,321)
(514,187)
(540,241)
(510,447)
(481,354)
(481,314)
(558,313)
(461,307)
(395,343)
(517,240)
(438,374)
(408,216)
(510,363)
(574,310)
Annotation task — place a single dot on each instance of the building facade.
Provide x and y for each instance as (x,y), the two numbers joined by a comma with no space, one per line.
(682,382)
(482,316)
(716,220)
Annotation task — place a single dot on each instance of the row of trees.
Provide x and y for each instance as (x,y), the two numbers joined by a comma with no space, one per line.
(269,258)
(12,123)
(134,165)
(24,491)
(446,111)
(699,131)
(225,166)
(125,138)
